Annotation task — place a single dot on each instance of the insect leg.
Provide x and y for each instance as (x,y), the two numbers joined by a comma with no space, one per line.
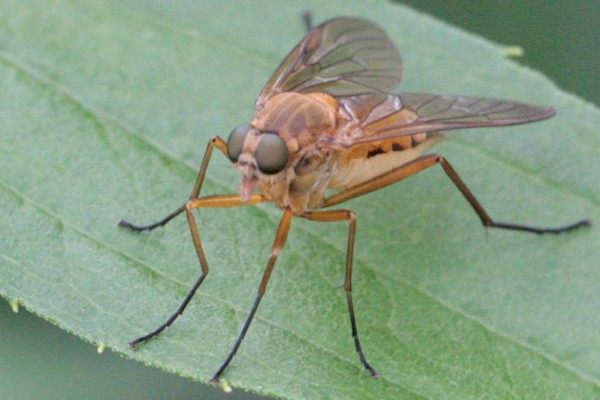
(485,218)
(345,215)
(280,239)
(424,162)
(307,18)
(215,141)
(229,200)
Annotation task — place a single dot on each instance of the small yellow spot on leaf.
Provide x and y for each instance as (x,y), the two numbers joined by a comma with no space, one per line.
(101,348)
(513,51)
(225,386)
(14,304)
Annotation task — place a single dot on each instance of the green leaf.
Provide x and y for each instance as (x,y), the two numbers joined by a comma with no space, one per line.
(106,108)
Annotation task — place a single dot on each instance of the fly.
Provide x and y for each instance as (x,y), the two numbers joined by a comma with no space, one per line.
(326,121)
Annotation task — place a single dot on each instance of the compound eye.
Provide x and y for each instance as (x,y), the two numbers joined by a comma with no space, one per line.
(236,140)
(271,154)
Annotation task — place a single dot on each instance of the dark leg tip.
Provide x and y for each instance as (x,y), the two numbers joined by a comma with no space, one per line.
(372,371)
(307,19)
(133,344)
(140,228)
(580,224)
(125,224)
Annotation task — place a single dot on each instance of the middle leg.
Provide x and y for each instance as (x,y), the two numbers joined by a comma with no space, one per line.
(346,215)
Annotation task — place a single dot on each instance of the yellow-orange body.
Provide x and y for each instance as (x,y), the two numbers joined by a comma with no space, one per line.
(317,129)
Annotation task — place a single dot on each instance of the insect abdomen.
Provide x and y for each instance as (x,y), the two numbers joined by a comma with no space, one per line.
(398,144)
(366,161)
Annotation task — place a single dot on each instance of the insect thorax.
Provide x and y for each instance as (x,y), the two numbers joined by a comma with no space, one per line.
(302,121)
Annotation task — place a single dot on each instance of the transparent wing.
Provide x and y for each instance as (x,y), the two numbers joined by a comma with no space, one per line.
(381,117)
(341,57)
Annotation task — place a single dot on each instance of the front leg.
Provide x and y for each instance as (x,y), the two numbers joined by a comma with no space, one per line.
(222,201)
(214,142)
(280,239)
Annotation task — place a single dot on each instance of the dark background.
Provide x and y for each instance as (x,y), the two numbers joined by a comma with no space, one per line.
(560,38)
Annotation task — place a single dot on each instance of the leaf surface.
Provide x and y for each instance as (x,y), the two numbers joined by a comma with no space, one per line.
(105,111)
